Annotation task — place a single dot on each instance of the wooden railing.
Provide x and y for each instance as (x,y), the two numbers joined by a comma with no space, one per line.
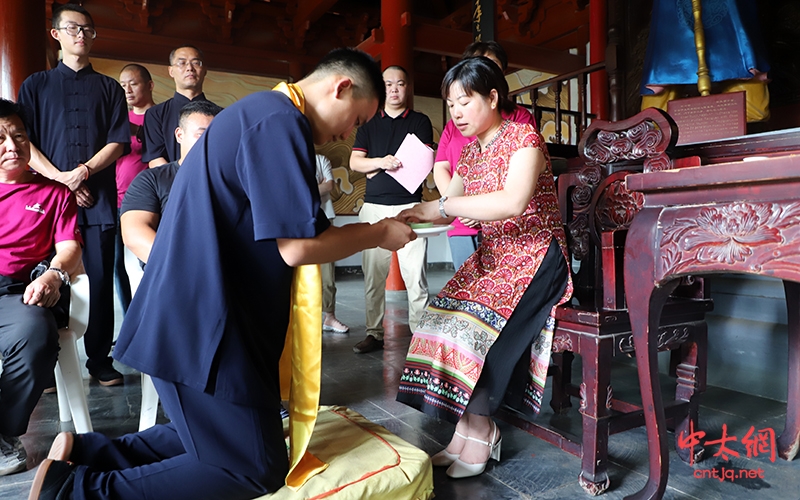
(581,116)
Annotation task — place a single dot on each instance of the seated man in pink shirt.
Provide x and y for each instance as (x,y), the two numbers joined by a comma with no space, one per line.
(464,238)
(40,248)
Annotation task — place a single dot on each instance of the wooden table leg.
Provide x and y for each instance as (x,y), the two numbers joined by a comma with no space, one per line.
(645,301)
(789,439)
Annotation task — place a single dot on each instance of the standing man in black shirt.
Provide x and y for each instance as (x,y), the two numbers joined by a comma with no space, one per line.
(78,126)
(147,196)
(373,154)
(160,121)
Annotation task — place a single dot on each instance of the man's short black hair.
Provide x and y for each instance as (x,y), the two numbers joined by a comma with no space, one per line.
(9,109)
(71,7)
(205,108)
(398,68)
(360,67)
(143,72)
(491,48)
(176,49)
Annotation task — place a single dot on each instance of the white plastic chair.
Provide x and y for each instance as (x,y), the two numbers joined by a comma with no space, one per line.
(69,381)
(149,411)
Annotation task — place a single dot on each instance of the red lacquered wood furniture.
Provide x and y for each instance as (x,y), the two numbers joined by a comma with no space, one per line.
(721,214)
(597,209)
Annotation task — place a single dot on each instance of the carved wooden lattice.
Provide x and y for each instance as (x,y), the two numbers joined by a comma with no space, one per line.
(603,204)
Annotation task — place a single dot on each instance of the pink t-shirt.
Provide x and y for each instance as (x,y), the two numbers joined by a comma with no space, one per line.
(37,215)
(452,142)
(131,164)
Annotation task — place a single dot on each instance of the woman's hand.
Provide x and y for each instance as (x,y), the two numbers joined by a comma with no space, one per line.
(471,223)
(427,211)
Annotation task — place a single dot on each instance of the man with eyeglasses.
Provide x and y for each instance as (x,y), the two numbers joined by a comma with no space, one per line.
(77,121)
(160,121)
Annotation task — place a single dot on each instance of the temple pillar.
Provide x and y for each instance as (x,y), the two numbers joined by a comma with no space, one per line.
(23,43)
(598,40)
(614,61)
(483,20)
(397,48)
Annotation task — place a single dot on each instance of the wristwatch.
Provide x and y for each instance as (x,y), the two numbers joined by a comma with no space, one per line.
(441,206)
(61,274)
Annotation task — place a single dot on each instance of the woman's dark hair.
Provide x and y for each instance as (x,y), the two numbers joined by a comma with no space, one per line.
(479,75)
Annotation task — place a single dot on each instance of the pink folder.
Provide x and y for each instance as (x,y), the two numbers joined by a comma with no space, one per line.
(417,159)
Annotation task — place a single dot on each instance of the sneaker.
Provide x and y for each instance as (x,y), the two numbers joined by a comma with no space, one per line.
(106,375)
(331,324)
(284,412)
(53,480)
(369,344)
(13,457)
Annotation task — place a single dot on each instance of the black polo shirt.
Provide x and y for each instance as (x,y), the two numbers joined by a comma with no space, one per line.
(149,191)
(70,117)
(382,136)
(160,122)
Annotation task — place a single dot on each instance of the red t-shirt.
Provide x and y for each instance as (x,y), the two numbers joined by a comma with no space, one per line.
(36,216)
(131,164)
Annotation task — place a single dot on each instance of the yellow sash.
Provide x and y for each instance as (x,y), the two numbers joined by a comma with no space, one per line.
(301,362)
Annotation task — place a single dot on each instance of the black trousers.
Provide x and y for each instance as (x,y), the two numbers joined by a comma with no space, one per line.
(29,347)
(98,259)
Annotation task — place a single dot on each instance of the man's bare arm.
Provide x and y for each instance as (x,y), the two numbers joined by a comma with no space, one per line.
(105,157)
(139,232)
(157,162)
(360,163)
(336,243)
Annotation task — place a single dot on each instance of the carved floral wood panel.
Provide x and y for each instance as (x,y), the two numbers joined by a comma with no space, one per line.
(748,237)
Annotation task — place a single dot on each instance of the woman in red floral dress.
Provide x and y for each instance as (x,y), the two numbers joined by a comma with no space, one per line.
(489,330)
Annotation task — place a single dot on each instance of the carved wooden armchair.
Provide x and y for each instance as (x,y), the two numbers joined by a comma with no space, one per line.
(597,210)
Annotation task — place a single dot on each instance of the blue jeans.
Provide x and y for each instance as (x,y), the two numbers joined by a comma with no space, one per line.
(461,247)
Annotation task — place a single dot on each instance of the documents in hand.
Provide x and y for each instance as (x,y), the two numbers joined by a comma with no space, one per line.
(417,162)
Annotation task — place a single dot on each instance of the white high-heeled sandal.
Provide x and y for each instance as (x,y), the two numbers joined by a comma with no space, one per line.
(445,458)
(461,469)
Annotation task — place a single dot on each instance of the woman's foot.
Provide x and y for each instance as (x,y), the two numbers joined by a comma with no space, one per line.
(476,454)
(449,455)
